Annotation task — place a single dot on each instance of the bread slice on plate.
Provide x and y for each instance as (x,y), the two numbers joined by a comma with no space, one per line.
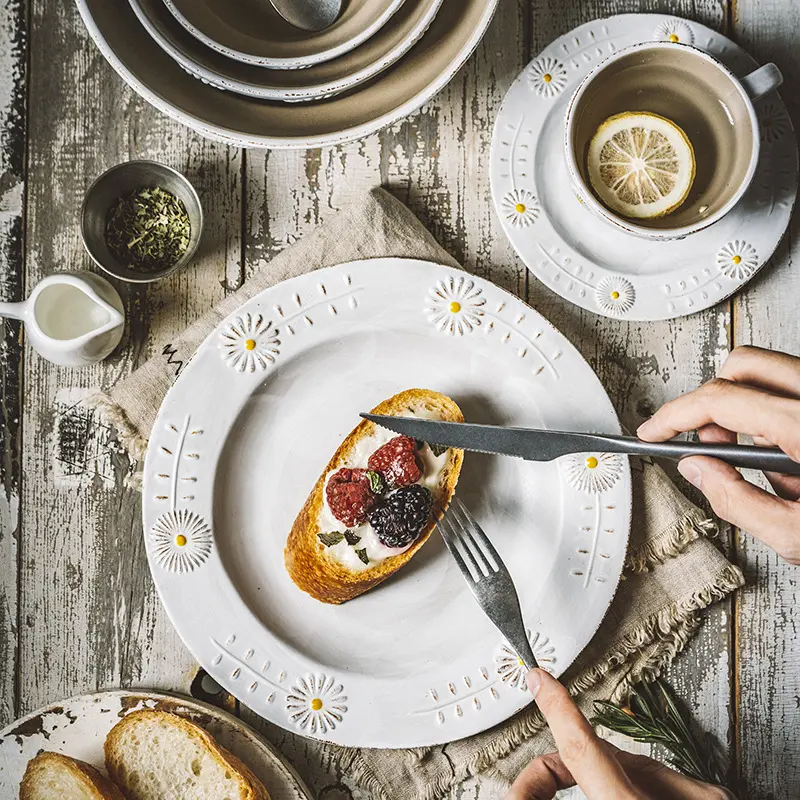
(52,776)
(333,553)
(154,755)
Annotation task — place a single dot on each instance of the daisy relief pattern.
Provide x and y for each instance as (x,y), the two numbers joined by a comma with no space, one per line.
(737,260)
(594,473)
(250,342)
(547,76)
(521,208)
(455,305)
(510,667)
(316,703)
(615,296)
(181,540)
(674,30)
(774,122)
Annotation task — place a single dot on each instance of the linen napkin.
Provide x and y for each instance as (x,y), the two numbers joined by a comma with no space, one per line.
(672,570)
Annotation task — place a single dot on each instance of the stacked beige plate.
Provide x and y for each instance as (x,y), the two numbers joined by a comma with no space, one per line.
(235,71)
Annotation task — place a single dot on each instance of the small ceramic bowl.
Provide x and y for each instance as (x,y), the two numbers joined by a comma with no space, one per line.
(124,179)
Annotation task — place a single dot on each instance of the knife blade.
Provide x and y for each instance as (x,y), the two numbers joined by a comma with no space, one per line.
(532,444)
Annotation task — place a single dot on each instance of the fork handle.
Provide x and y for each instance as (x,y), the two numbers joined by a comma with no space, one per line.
(523,649)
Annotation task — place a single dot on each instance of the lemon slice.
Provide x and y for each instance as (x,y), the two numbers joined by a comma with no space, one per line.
(641,165)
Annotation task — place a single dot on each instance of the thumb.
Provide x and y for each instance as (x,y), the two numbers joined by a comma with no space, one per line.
(591,764)
(774,520)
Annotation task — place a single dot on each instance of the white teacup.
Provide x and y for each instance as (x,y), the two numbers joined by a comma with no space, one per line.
(698,93)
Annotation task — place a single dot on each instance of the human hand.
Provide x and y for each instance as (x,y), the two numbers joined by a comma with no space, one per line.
(602,771)
(757,392)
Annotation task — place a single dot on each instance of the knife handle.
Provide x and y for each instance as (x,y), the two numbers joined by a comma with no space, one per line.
(767,459)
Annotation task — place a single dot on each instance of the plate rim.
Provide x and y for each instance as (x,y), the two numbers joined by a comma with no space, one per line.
(318,91)
(286,62)
(196,647)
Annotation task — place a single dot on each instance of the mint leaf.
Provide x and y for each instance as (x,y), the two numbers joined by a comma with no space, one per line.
(438,449)
(352,538)
(362,554)
(376,483)
(329,539)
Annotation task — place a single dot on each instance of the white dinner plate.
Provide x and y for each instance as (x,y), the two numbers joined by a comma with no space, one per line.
(252,31)
(317,82)
(78,727)
(243,435)
(591,262)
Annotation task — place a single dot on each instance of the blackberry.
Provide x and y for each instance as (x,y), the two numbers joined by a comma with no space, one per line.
(400,518)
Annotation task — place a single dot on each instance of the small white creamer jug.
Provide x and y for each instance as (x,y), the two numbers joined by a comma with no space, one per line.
(71,318)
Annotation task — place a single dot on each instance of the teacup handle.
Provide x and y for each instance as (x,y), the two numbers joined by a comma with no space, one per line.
(762,81)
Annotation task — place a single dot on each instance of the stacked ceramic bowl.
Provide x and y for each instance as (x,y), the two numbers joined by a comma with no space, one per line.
(235,70)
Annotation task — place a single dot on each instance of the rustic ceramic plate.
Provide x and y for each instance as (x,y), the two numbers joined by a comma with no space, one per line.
(590,261)
(78,727)
(320,81)
(253,32)
(248,122)
(243,435)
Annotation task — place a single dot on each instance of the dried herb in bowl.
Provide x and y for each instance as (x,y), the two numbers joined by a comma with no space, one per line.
(148,229)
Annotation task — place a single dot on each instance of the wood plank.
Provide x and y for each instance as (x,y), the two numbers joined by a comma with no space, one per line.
(91,616)
(13,54)
(768,631)
(642,365)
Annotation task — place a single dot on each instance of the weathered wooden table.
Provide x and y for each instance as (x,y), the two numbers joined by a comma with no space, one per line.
(78,610)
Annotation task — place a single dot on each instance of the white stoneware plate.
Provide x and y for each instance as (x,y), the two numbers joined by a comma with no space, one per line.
(587,260)
(251,31)
(248,122)
(78,727)
(243,435)
(320,81)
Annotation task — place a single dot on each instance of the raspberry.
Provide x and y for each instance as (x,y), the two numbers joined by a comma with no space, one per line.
(351,493)
(399,519)
(397,461)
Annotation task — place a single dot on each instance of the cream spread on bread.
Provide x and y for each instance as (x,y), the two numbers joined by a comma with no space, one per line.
(433,467)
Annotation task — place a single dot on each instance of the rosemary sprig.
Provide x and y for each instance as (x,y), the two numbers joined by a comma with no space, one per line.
(653,717)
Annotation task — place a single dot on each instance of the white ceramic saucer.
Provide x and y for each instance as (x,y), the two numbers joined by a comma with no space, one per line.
(585,259)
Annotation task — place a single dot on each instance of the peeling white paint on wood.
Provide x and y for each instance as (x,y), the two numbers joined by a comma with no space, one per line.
(89,614)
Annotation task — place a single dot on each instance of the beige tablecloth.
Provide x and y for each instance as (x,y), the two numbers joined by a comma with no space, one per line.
(672,570)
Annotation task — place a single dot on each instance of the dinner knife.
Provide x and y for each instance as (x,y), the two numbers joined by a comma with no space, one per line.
(541,445)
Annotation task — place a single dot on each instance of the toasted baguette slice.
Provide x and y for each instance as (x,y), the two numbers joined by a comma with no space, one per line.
(321,575)
(154,755)
(51,776)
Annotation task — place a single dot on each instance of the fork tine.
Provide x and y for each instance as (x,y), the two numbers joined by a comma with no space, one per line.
(450,539)
(481,540)
(483,567)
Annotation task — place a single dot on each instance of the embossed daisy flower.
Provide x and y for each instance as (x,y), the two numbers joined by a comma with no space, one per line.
(521,207)
(250,342)
(181,540)
(594,472)
(510,667)
(674,30)
(316,703)
(547,76)
(737,260)
(774,122)
(455,305)
(615,296)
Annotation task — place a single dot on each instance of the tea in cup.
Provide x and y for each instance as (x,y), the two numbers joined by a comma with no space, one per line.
(662,139)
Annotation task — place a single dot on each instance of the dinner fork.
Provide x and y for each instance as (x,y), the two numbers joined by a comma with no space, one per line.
(487,576)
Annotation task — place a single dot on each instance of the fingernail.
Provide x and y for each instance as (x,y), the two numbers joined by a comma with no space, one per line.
(643,427)
(691,472)
(534,682)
